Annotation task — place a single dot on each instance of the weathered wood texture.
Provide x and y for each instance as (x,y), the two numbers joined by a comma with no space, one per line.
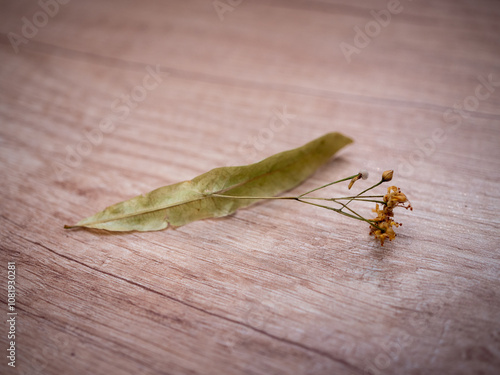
(280,288)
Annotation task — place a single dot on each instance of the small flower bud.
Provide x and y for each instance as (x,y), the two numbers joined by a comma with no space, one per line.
(364,174)
(387,175)
(353,180)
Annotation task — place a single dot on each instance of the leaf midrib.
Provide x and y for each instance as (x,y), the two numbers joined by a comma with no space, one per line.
(192,200)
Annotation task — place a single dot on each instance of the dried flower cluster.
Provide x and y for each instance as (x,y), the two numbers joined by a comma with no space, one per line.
(381,227)
(384,220)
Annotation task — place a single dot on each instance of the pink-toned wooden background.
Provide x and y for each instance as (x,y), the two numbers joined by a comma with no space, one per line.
(279,288)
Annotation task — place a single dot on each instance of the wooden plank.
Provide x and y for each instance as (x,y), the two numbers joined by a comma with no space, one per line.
(278,288)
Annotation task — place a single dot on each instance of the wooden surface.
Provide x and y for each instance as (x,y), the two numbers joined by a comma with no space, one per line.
(279,288)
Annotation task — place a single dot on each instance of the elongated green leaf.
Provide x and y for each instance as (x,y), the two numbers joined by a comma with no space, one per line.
(187,201)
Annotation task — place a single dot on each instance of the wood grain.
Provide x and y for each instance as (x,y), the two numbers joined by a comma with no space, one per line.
(279,288)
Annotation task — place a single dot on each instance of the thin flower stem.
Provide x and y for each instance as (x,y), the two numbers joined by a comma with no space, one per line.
(364,191)
(370,188)
(337,200)
(350,209)
(303,199)
(358,217)
(330,208)
(364,196)
(331,183)
(294,198)
(360,200)
(249,197)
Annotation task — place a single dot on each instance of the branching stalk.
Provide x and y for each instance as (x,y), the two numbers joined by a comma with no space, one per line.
(381,226)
